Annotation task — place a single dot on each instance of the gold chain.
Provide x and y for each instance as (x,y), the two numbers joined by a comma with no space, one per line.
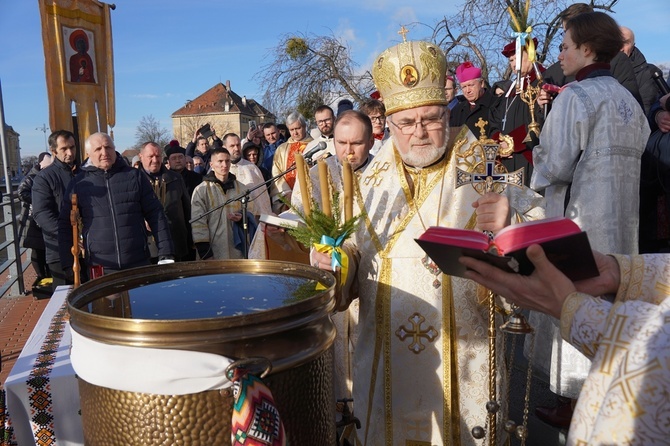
(417,193)
(426,260)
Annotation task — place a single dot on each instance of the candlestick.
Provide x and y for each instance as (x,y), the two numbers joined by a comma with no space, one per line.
(301,172)
(325,190)
(348,180)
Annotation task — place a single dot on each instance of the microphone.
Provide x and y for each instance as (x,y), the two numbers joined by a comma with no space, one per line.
(319,147)
(660,82)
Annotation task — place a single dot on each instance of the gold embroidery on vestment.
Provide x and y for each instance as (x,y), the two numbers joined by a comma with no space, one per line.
(611,343)
(416,333)
(624,382)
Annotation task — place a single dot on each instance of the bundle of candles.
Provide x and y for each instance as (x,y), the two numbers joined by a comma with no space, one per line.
(325,185)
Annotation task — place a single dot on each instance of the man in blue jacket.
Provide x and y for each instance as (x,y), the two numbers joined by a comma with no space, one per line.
(116,202)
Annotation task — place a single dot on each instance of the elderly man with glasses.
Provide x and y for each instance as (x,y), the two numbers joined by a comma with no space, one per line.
(421,356)
(284,158)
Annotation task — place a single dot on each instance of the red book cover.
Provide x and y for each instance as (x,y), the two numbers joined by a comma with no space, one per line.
(564,243)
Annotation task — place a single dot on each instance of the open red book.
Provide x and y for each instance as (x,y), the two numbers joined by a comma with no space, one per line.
(564,243)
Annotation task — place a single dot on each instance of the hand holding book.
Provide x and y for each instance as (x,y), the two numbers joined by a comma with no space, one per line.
(565,245)
(546,288)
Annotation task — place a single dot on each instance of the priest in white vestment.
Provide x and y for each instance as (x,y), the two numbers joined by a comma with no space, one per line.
(624,399)
(284,158)
(248,174)
(588,166)
(353,140)
(421,357)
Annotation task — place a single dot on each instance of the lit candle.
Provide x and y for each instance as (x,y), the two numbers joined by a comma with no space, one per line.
(325,190)
(348,180)
(301,172)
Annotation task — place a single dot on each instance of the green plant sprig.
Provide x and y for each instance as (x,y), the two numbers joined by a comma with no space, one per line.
(318,224)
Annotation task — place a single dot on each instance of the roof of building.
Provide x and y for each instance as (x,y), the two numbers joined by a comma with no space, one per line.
(214,100)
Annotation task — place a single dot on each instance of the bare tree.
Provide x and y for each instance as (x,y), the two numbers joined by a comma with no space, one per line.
(27,163)
(482,27)
(149,129)
(305,66)
(190,125)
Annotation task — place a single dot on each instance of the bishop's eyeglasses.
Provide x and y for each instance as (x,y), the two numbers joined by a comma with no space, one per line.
(408,128)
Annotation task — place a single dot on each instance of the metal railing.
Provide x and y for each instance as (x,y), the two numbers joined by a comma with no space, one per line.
(10,250)
(12,260)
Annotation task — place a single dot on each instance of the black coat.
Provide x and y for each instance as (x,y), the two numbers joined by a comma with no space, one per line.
(31,230)
(463,113)
(47,195)
(113,206)
(177,207)
(649,92)
(511,116)
(191,179)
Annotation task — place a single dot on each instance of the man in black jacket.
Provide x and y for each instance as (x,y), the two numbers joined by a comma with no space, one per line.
(171,191)
(114,200)
(47,195)
(33,234)
(478,99)
(620,66)
(177,158)
(649,92)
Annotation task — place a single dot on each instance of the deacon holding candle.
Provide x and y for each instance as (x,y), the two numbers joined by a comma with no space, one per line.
(353,140)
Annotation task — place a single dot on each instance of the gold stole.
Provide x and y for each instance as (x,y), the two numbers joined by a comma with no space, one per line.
(451,415)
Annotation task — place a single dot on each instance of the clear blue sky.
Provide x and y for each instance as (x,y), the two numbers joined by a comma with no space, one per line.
(169,51)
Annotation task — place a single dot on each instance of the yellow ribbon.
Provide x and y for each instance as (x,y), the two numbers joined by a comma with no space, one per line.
(338,256)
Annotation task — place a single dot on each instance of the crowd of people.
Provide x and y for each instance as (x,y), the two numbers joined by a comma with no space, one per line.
(411,347)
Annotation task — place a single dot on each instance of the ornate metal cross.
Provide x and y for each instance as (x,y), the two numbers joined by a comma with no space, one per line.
(488,175)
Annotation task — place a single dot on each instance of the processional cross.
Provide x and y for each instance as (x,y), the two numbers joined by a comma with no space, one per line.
(487,174)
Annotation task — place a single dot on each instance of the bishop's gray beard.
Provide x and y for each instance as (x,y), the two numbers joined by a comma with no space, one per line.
(421,157)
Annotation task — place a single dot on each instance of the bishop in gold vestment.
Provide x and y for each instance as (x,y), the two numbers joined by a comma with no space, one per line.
(421,357)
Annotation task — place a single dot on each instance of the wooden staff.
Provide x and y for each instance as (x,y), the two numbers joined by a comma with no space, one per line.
(325,189)
(74,221)
(301,172)
(348,180)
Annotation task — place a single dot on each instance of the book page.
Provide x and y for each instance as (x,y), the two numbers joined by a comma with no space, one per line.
(522,235)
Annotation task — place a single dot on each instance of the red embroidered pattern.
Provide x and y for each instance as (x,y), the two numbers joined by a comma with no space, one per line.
(39,387)
(295,147)
(255,420)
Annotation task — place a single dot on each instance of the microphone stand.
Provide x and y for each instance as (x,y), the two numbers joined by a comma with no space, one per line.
(243,198)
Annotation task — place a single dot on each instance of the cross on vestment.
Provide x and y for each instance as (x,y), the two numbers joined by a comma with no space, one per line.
(416,333)
(375,173)
(625,382)
(612,343)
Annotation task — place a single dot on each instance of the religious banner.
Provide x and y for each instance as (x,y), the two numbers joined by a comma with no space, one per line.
(79,65)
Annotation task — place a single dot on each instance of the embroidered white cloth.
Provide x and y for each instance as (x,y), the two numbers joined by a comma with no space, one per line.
(42,390)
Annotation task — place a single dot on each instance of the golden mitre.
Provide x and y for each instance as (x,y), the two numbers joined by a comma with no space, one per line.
(409,75)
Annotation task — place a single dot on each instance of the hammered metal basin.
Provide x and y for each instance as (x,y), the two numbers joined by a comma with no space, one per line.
(235,308)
